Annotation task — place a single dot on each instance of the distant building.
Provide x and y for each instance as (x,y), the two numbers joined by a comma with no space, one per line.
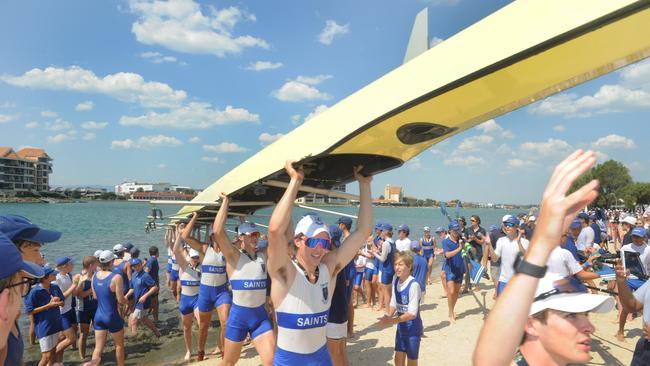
(322,199)
(168,196)
(27,170)
(128,188)
(393,193)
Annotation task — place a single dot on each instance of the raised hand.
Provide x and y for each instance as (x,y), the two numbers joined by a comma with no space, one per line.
(294,173)
(360,177)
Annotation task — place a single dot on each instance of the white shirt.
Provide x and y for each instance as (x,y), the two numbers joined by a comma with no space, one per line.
(643,296)
(586,238)
(561,261)
(64,282)
(507,250)
(360,263)
(644,253)
(370,263)
(403,245)
(414,295)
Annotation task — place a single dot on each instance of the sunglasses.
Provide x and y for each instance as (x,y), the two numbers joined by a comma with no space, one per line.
(26,284)
(314,242)
(567,285)
(254,234)
(509,224)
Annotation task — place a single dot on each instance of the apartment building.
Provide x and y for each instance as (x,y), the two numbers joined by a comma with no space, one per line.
(25,170)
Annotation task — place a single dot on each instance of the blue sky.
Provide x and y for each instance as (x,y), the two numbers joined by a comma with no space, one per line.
(183,91)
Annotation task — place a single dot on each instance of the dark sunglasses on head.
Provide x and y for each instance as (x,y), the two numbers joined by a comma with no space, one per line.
(567,285)
(314,242)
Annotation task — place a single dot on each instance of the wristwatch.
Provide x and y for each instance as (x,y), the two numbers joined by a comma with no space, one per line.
(527,268)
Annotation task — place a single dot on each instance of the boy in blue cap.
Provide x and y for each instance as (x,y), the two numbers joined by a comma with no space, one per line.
(43,302)
(16,277)
(27,236)
(454,267)
(385,256)
(143,288)
(68,285)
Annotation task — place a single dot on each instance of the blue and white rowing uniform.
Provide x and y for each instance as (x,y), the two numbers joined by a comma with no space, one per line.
(169,260)
(190,281)
(302,317)
(248,312)
(173,276)
(106,317)
(386,270)
(68,314)
(427,248)
(119,269)
(406,299)
(213,291)
(86,306)
(370,269)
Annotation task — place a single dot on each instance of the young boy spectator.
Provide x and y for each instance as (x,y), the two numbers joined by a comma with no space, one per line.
(143,287)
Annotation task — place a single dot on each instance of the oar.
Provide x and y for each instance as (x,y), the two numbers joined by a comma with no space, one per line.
(458,207)
(601,290)
(443,209)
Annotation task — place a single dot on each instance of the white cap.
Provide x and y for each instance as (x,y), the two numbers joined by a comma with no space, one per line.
(106,256)
(630,220)
(505,218)
(310,226)
(118,248)
(97,253)
(575,302)
(426,228)
(194,253)
(532,218)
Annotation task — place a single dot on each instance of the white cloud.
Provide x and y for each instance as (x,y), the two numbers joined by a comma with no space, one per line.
(614,142)
(469,160)
(4,118)
(7,105)
(211,159)
(435,41)
(92,125)
(32,124)
(295,119)
(224,147)
(58,138)
(302,89)
(601,156)
(89,136)
(162,166)
(414,164)
(194,140)
(46,114)
(181,25)
(519,163)
(159,58)
(492,127)
(474,143)
(146,143)
(267,138)
(435,151)
(551,147)
(559,128)
(332,30)
(58,125)
(123,86)
(504,149)
(318,110)
(195,115)
(85,106)
(263,65)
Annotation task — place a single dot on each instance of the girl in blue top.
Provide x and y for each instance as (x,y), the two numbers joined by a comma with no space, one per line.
(86,303)
(404,310)
(454,267)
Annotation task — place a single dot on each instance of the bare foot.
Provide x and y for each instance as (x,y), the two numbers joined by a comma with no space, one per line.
(620,337)
(351,336)
(188,355)
(216,351)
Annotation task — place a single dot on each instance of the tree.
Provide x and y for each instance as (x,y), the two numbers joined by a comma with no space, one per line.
(612,175)
(381,197)
(634,194)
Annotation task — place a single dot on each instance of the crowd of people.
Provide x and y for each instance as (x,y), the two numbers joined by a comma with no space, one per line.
(292,292)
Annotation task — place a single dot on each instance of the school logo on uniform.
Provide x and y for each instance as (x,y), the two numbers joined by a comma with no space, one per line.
(405,299)
(263,267)
(325,292)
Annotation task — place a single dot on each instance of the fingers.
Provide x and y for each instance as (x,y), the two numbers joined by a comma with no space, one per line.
(582,197)
(555,177)
(575,169)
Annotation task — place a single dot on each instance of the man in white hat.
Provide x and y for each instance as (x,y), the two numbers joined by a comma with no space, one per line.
(628,223)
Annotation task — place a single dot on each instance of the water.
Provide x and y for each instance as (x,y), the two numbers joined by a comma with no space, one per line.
(88,227)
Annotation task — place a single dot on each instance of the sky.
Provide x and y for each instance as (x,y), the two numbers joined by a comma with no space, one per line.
(183,91)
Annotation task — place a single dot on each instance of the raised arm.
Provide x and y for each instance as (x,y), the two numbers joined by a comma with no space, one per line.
(629,302)
(357,238)
(178,249)
(278,251)
(189,239)
(220,236)
(504,327)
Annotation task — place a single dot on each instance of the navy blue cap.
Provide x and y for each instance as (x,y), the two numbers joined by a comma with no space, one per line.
(404,227)
(128,246)
(378,225)
(135,261)
(335,235)
(18,227)
(262,244)
(493,228)
(47,270)
(512,221)
(639,231)
(387,227)
(575,224)
(62,261)
(454,225)
(344,220)
(247,228)
(11,261)
(583,216)
(440,229)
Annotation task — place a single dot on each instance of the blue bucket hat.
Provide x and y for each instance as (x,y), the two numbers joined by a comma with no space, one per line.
(11,261)
(135,261)
(17,227)
(387,227)
(575,224)
(344,220)
(454,225)
(378,225)
(47,270)
(512,220)
(440,229)
(62,261)
(404,227)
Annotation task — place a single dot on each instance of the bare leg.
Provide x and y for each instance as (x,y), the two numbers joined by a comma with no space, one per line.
(84,330)
(47,357)
(133,325)
(429,269)
(223,310)
(155,307)
(70,339)
(145,319)
(204,325)
(336,348)
(443,282)
(410,362)
(351,319)
(452,297)
(265,346)
(100,342)
(232,351)
(118,340)
(400,358)
(187,335)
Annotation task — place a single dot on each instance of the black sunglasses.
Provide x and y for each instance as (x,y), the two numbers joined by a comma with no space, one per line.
(25,289)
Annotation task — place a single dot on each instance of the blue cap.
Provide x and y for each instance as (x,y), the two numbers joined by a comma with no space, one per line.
(62,261)
(493,228)
(11,261)
(344,220)
(583,216)
(262,244)
(18,227)
(247,228)
(47,270)
(638,231)
(128,246)
(575,224)
(335,235)
(440,229)
(512,220)
(454,225)
(403,227)
(593,216)
(378,225)
(135,261)
(387,227)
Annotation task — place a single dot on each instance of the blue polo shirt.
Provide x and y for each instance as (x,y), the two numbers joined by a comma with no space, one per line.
(420,269)
(46,322)
(141,282)
(570,245)
(454,264)
(152,264)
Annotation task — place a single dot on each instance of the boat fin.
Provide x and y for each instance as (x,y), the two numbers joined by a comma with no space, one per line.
(419,41)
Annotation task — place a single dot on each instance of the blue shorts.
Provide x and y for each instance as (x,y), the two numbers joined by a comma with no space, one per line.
(386,277)
(243,320)
(173,275)
(456,276)
(111,322)
(319,358)
(358,277)
(188,304)
(409,344)
(169,267)
(428,255)
(211,297)
(500,287)
(86,316)
(369,272)
(68,319)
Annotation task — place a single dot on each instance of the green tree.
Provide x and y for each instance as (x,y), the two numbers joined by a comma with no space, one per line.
(612,175)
